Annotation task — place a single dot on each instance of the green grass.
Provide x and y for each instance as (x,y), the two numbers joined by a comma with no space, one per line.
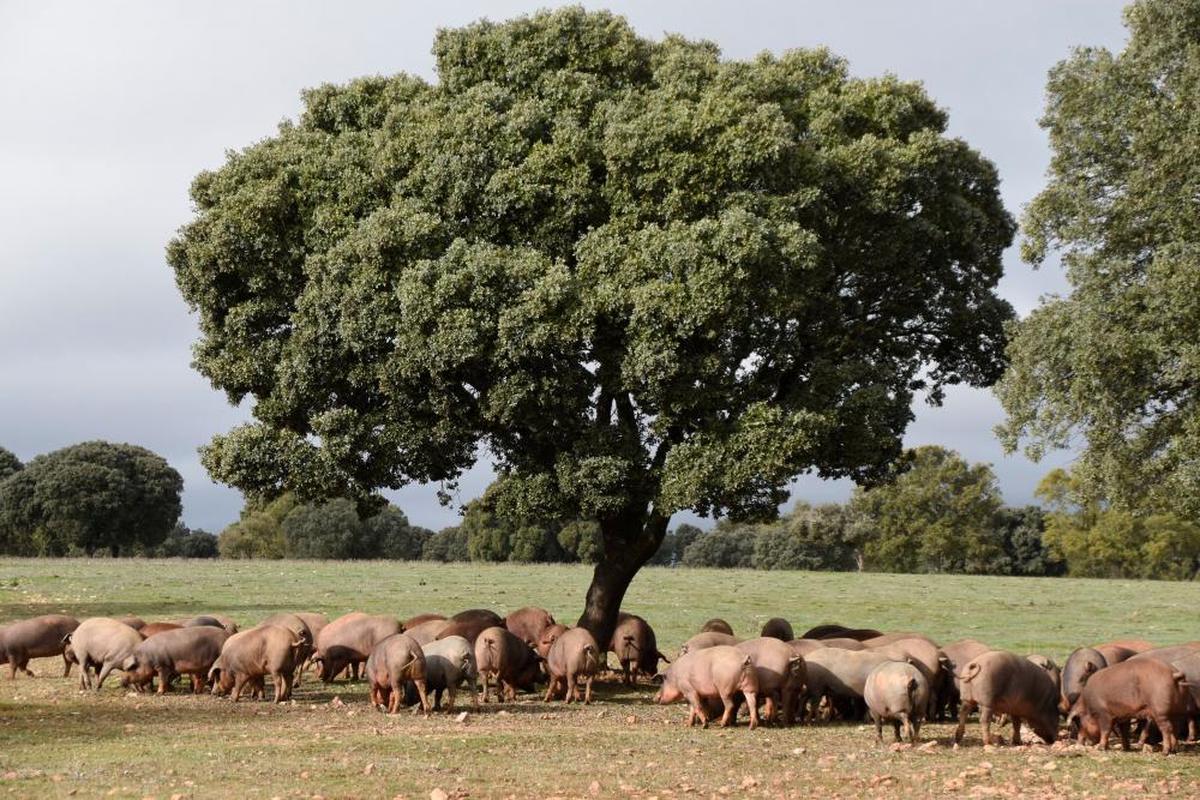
(55,741)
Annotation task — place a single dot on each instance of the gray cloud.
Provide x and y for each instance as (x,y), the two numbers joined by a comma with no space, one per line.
(110,109)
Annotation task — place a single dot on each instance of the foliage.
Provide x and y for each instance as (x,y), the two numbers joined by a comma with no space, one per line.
(936,514)
(388,534)
(9,463)
(328,530)
(1111,368)
(810,538)
(727,545)
(183,542)
(259,533)
(641,278)
(93,496)
(448,544)
(674,544)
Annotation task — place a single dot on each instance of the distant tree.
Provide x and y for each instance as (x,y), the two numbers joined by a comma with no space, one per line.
(580,540)
(388,534)
(647,279)
(936,514)
(727,545)
(1022,532)
(94,496)
(809,538)
(259,533)
(675,543)
(448,544)
(329,530)
(9,463)
(1112,367)
(182,542)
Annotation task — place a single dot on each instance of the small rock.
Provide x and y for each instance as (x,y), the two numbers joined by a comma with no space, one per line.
(798,751)
(438,794)
(594,788)
(1050,766)
(462,717)
(749,782)
(368,769)
(631,720)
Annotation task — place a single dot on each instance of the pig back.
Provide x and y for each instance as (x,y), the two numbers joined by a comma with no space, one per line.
(395,659)
(778,628)
(448,661)
(575,650)
(102,640)
(702,641)
(183,649)
(528,623)
(37,637)
(425,633)
(776,664)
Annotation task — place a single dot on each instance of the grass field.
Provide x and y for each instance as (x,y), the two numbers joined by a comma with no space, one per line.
(55,741)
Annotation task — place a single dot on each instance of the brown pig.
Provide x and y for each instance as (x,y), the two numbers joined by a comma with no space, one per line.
(425,632)
(547,638)
(843,643)
(528,623)
(479,614)
(348,642)
(470,627)
(137,623)
(102,644)
(296,624)
(420,619)
(573,657)
(707,639)
(925,656)
(897,691)
(840,675)
(1082,662)
(182,651)
(803,647)
(250,656)
(717,625)
(37,637)
(155,628)
(315,622)
(778,628)
(393,663)
(780,672)
(1141,689)
(831,631)
(999,682)
(508,659)
(636,647)
(715,673)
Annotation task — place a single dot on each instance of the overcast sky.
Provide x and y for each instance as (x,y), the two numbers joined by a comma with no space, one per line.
(107,111)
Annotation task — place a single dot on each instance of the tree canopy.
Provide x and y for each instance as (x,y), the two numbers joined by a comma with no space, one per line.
(640,278)
(9,463)
(90,497)
(1112,367)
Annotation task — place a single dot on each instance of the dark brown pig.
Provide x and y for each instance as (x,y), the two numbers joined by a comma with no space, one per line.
(427,631)
(155,628)
(393,663)
(707,639)
(1167,654)
(717,625)
(780,673)
(999,682)
(100,644)
(348,642)
(1136,645)
(37,637)
(958,654)
(1115,653)
(1082,662)
(897,691)
(250,656)
(1052,669)
(528,623)
(831,631)
(704,676)
(1141,689)
(507,659)
(547,638)
(477,614)
(421,619)
(574,657)
(778,628)
(470,627)
(182,651)
(636,647)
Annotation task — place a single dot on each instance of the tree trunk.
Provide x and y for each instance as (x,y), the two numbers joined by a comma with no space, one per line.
(630,540)
(114,550)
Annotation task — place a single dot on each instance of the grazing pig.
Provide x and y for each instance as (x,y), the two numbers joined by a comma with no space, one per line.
(1141,689)
(999,682)
(778,628)
(958,654)
(1115,653)
(897,691)
(707,639)
(448,663)
(469,628)
(250,656)
(1051,668)
(925,656)
(37,637)
(394,662)
(636,647)
(843,643)
(528,623)
(155,628)
(547,638)
(1082,662)
(889,638)
(103,644)
(803,647)
(421,619)
(714,673)
(426,632)
(477,614)
(573,657)
(182,651)
(841,676)
(508,659)
(717,625)
(137,623)
(1167,654)
(348,642)
(296,624)
(831,631)
(315,622)
(780,673)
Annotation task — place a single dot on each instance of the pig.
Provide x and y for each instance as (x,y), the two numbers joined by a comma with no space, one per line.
(155,628)
(1115,653)
(528,623)
(508,659)
(37,637)
(897,691)
(778,628)
(315,622)
(704,676)
(1190,667)
(573,657)
(394,662)
(840,632)
(1142,689)
(999,682)
(707,639)
(780,673)
(841,676)
(957,654)
(636,647)
(717,625)
(182,651)
(889,638)
(478,614)
(843,643)
(420,619)
(468,628)
(547,638)
(137,623)
(1082,662)
(925,656)
(249,656)
(348,642)
(803,647)
(296,624)
(1136,645)
(1051,668)
(1167,654)
(103,644)
(211,621)
(448,664)
(426,632)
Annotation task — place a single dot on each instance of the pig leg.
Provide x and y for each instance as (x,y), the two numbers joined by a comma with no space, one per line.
(914,727)
(450,692)
(422,694)
(1167,728)
(66,665)
(963,712)
(104,670)
(550,685)
(985,723)
(878,727)
(572,692)
(752,702)
(484,675)
(1016,725)
(587,696)
(395,691)
(238,681)
(896,729)
(727,718)
(696,708)
(789,706)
